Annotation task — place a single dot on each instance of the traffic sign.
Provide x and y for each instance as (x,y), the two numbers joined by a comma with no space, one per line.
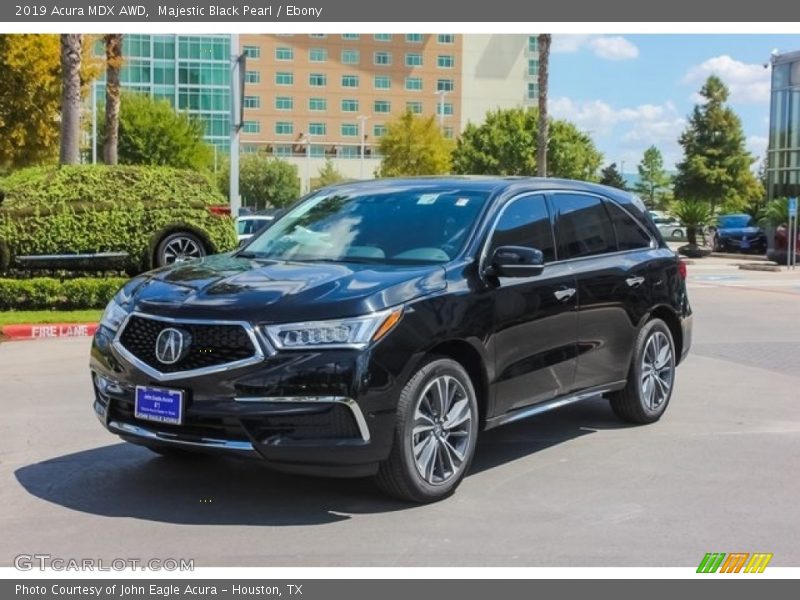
(793,206)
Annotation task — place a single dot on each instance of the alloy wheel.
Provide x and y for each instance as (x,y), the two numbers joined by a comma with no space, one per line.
(657,371)
(442,430)
(181,248)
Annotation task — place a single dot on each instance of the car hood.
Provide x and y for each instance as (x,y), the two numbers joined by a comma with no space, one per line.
(228,287)
(739,231)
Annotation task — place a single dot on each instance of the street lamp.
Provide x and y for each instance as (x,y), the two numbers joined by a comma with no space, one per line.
(362,120)
(306,139)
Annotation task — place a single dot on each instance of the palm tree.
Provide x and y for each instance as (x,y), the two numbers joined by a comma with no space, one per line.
(70,98)
(113,44)
(693,214)
(543,44)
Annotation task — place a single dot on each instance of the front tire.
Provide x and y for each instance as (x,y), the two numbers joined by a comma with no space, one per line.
(178,247)
(435,434)
(651,377)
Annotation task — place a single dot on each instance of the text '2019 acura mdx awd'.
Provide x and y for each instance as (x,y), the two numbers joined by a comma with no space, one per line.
(378,326)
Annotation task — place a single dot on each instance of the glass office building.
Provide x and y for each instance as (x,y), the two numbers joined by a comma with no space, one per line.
(783,169)
(192,72)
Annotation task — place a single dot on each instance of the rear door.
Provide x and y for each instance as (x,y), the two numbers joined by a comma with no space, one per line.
(535,317)
(608,253)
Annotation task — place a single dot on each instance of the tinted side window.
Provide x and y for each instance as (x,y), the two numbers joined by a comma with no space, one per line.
(525,222)
(583,226)
(630,235)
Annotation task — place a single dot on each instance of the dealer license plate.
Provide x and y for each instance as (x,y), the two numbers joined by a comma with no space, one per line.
(159,404)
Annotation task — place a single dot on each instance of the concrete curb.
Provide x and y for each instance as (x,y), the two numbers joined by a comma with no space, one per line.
(748,257)
(47,330)
(760,267)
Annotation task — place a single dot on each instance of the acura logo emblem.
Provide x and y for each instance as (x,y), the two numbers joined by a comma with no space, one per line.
(172,345)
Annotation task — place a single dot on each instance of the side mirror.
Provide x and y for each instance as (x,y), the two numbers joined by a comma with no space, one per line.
(515,261)
(243,242)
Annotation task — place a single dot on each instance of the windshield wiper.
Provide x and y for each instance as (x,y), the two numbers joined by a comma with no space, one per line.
(250,254)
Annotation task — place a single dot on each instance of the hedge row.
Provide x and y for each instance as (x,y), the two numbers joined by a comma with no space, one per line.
(45,293)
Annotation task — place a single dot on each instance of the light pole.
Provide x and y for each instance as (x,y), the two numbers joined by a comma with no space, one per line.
(305,139)
(362,121)
(441,94)
(237,112)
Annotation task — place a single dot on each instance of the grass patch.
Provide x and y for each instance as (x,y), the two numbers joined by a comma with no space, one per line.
(38,317)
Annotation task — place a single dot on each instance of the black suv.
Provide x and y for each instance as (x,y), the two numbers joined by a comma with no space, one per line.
(377,327)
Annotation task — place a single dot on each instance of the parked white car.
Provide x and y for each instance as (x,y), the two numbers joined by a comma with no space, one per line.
(670,227)
(249,225)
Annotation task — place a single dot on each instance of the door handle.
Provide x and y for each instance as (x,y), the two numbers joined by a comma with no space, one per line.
(634,281)
(564,294)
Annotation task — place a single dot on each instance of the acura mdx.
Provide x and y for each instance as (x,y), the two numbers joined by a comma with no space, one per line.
(377,327)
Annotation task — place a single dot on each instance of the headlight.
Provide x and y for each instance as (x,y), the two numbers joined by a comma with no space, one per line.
(113,316)
(356,332)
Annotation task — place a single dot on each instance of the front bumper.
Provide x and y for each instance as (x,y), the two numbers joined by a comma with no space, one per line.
(323,413)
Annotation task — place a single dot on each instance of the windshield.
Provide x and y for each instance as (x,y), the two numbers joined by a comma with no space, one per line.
(736,221)
(398,225)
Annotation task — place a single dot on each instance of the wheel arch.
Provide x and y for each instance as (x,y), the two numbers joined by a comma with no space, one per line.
(670,317)
(150,257)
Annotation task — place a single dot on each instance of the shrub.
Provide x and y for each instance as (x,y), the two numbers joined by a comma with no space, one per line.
(45,293)
(88,209)
(263,181)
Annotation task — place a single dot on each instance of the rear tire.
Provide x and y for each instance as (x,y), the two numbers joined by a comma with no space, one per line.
(651,377)
(435,433)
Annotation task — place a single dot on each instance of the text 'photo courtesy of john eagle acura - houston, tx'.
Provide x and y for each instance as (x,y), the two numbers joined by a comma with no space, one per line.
(376,328)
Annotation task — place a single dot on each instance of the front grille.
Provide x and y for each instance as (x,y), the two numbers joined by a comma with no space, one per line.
(211,345)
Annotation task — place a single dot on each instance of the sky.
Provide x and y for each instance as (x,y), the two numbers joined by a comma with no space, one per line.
(634,91)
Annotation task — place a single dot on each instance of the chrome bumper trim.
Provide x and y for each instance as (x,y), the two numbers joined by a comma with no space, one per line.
(168,438)
(355,409)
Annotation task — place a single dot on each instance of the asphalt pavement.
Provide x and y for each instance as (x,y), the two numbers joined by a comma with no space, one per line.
(576,487)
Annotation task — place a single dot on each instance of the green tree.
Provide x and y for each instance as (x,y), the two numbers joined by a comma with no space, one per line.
(414,145)
(543,83)
(151,132)
(264,181)
(653,181)
(611,176)
(693,213)
(716,165)
(30,102)
(328,175)
(505,144)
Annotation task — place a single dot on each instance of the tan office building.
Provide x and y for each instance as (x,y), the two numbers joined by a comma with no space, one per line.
(312,97)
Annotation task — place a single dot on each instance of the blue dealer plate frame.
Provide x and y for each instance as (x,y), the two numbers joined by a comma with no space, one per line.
(159,404)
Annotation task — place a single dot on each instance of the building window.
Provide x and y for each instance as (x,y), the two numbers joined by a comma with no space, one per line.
(533,43)
(348,152)
(445,61)
(446,38)
(282,150)
(413,59)
(351,57)
(533,66)
(533,91)
(316,150)
(251,77)
(252,101)
(251,127)
(378,130)
(284,103)
(383,37)
(252,51)
(448,109)
(448,133)
(383,58)
(317,55)
(249,149)
(349,105)
(318,36)
(350,81)
(284,53)
(414,107)
(349,130)
(414,38)
(350,36)
(414,84)
(284,128)
(383,82)
(316,129)
(445,85)
(284,78)
(317,104)
(317,80)
(382,106)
